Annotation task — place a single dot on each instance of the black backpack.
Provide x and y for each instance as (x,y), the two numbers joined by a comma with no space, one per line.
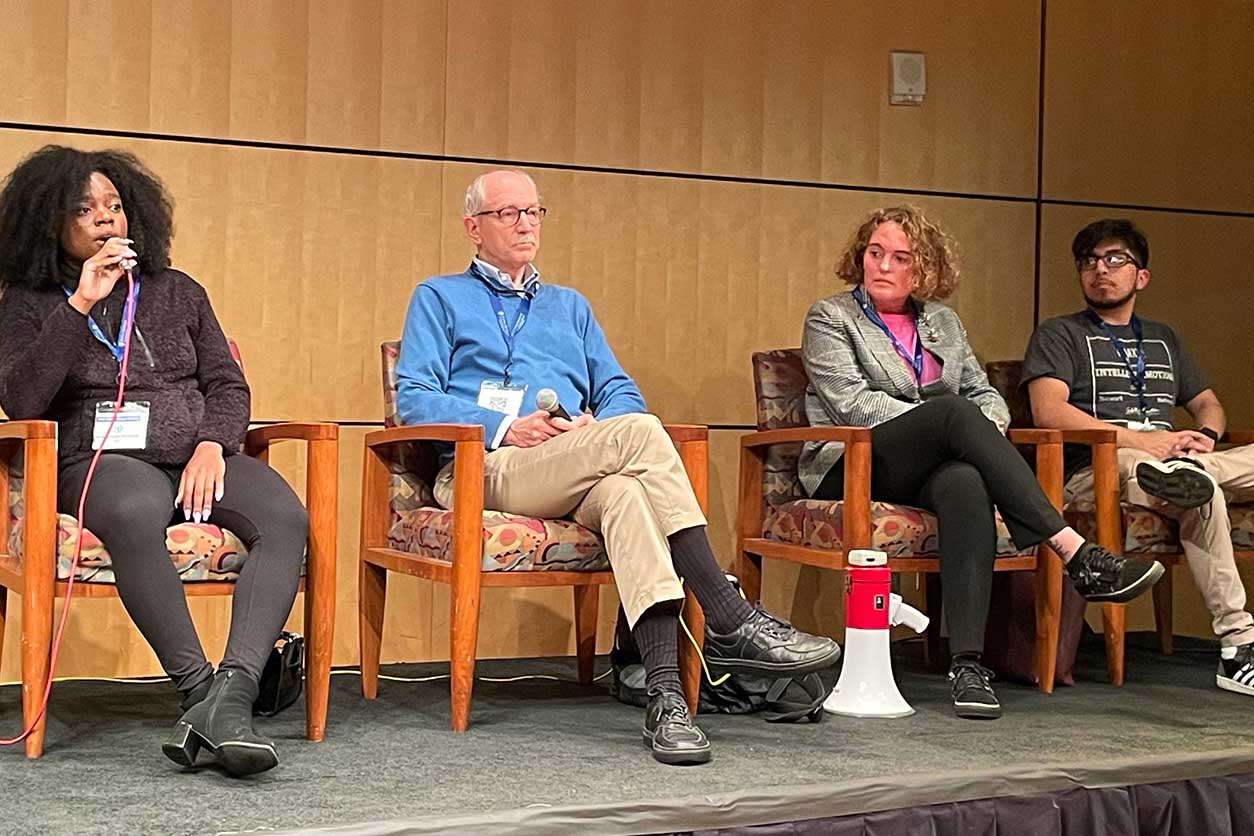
(780,699)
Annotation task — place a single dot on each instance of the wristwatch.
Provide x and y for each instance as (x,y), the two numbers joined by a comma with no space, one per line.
(1209,433)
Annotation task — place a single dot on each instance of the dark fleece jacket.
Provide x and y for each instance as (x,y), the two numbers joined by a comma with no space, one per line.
(52,367)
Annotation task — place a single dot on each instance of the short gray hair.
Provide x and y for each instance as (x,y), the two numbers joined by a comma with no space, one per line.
(474,192)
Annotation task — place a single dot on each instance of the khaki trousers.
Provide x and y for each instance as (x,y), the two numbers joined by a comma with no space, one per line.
(620,477)
(1205,532)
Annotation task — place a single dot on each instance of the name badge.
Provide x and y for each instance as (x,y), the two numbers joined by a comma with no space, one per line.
(130,431)
(499,397)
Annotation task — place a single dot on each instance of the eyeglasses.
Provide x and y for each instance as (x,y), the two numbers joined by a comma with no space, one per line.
(509,215)
(1114,260)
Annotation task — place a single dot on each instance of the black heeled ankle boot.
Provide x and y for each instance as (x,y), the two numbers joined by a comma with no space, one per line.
(223,724)
(180,746)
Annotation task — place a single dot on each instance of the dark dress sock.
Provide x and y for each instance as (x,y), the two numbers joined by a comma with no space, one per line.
(724,609)
(657,638)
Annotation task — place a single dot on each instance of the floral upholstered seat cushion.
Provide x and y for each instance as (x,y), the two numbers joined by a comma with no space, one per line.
(898,530)
(199,551)
(1146,532)
(510,542)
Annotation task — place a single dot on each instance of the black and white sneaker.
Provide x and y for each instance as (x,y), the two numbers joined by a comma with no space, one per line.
(1179,480)
(1237,674)
(973,696)
(1103,577)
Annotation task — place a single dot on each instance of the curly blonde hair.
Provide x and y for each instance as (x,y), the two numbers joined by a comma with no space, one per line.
(935,258)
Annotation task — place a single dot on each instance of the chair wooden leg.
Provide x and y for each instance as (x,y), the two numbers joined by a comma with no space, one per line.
(37,612)
(1164,592)
(1113,626)
(689,656)
(464,641)
(322,497)
(932,637)
(372,588)
(1048,582)
(587,601)
(319,615)
(4,606)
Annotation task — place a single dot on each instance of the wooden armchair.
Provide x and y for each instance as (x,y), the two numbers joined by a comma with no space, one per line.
(1129,529)
(775,519)
(468,548)
(38,545)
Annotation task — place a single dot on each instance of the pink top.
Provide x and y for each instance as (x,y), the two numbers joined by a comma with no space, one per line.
(903,328)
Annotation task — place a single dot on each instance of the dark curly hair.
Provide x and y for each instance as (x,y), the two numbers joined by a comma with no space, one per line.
(39,194)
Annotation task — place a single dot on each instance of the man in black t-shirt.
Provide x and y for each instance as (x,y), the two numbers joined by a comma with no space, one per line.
(1105,368)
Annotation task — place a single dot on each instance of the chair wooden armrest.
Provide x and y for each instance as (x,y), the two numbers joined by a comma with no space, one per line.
(22,430)
(680,433)
(765,438)
(1034,436)
(1230,437)
(1089,437)
(425,432)
(261,437)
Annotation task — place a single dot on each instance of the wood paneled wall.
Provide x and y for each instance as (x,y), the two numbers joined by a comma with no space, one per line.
(704,167)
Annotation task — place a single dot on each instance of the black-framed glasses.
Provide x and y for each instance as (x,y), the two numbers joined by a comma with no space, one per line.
(509,215)
(1113,259)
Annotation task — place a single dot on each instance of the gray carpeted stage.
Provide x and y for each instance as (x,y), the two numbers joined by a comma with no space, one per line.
(554,757)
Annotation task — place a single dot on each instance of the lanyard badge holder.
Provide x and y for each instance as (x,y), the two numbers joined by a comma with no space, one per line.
(915,358)
(1135,372)
(119,426)
(505,396)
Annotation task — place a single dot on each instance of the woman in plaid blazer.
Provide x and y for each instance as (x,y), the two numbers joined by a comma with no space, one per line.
(890,356)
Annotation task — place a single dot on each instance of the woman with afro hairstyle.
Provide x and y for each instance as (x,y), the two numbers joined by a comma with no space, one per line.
(72,225)
(890,356)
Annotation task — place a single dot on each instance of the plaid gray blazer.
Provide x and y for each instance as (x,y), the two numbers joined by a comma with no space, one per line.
(858,380)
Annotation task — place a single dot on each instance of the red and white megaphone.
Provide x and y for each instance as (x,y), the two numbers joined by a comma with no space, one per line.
(866,687)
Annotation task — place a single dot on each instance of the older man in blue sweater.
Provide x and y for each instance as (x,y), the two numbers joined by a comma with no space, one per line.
(477,348)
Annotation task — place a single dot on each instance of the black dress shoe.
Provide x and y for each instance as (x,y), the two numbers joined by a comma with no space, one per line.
(1103,577)
(765,644)
(223,724)
(670,732)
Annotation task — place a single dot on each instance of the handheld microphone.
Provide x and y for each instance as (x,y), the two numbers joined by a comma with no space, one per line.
(546,399)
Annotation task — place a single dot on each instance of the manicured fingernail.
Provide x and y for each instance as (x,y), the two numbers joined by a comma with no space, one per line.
(187,515)
(218,494)
(205,516)
(195,516)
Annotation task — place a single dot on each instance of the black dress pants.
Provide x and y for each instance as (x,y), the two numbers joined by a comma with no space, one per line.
(129,506)
(946,457)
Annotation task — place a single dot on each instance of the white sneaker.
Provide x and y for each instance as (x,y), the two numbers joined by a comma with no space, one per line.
(1181,481)
(1237,674)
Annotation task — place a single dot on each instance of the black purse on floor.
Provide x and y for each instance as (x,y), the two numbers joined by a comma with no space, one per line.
(283,677)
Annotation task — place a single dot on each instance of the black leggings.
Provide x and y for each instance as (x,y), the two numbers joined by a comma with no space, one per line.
(945,456)
(129,506)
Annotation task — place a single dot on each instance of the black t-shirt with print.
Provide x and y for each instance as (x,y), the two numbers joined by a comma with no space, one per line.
(1077,351)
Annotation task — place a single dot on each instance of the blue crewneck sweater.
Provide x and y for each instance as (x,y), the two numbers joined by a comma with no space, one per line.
(452,344)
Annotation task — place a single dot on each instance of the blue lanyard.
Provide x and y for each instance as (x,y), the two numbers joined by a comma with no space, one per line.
(1137,372)
(506,332)
(118,348)
(916,359)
